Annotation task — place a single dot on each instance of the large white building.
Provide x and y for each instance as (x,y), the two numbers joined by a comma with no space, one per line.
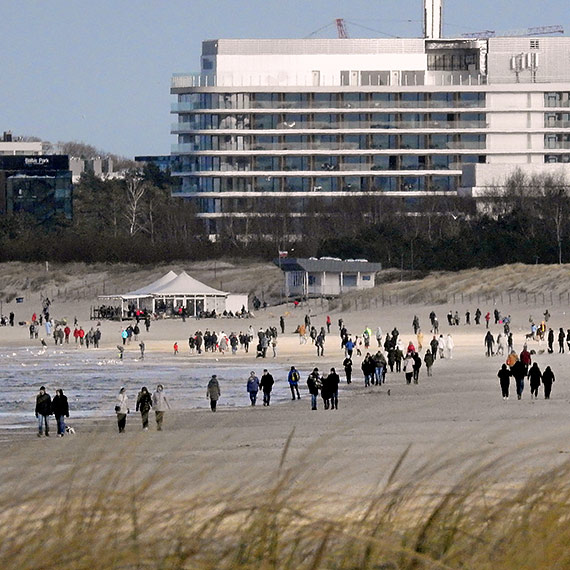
(268,125)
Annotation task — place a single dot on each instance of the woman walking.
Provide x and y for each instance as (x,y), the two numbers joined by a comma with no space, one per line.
(535,376)
(122,409)
(213,392)
(144,404)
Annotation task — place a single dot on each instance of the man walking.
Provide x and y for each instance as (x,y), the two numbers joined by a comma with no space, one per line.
(266,385)
(293,379)
(43,410)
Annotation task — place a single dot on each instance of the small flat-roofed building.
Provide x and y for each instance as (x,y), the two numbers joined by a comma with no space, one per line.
(327,276)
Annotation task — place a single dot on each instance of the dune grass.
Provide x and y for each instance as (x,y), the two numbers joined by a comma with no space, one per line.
(89,517)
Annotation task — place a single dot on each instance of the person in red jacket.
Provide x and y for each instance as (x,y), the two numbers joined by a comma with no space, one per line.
(67,332)
(487,319)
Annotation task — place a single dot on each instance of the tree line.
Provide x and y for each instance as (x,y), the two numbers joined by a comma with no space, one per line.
(137,220)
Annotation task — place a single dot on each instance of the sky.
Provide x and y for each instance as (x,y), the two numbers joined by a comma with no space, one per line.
(98,71)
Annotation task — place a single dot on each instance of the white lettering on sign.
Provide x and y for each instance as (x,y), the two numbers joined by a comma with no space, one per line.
(36,161)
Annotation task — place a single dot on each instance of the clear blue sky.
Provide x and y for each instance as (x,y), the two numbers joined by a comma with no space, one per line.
(98,71)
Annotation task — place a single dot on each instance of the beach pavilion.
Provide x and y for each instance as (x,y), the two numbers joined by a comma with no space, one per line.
(172,292)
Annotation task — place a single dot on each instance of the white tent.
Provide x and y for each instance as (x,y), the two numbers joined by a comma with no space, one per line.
(185,291)
(147,290)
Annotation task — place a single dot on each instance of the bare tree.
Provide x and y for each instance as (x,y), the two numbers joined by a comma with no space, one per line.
(135,191)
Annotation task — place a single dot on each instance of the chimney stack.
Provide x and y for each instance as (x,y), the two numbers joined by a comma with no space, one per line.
(433,18)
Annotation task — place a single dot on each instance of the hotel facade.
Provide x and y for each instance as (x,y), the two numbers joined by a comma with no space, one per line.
(267,126)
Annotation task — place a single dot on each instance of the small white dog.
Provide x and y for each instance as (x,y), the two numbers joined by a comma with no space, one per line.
(69,430)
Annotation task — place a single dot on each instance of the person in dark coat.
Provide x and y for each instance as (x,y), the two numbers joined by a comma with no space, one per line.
(535,376)
(266,384)
(314,383)
(60,409)
(332,381)
(428,359)
(489,344)
(347,363)
(504,375)
(561,338)
(547,381)
(518,370)
(416,367)
(43,411)
(144,404)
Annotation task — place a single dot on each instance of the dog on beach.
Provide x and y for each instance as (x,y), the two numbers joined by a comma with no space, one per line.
(69,430)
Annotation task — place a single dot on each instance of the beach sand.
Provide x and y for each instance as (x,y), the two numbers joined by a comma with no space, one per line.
(446,425)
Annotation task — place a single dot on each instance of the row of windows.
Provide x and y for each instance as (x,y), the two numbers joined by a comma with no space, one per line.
(329,163)
(321,184)
(330,100)
(333,142)
(293,121)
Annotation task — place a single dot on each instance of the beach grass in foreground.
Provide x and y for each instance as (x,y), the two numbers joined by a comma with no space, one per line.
(88,516)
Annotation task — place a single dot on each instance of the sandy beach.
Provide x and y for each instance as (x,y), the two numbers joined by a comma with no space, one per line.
(447,424)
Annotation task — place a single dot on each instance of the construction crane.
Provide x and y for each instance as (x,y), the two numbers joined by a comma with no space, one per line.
(341,29)
(536,31)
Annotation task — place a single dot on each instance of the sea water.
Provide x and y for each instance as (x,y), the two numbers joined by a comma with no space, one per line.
(91,379)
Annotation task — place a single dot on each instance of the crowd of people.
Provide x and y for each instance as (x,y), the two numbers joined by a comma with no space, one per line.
(389,355)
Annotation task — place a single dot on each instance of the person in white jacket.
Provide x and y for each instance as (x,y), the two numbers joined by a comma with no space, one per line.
(449,344)
(160,405)
(122,409)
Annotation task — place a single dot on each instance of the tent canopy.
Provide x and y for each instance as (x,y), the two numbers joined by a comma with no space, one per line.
(184,285)
(148,290)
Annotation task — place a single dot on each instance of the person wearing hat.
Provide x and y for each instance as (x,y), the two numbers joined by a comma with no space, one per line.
(122,409)
(43,410)
(293,379)
(213,392)
(314,383)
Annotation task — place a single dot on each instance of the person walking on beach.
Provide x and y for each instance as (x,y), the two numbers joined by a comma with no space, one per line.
(408,367)
(489,344)
(561,338)
(43,411)
(252,387)
(313,384)
(547,381)
(347,364)
(518,370)
(60,408)
(175,347)
(266,385)
(122,409)
(282,324)
(416,366)
(144,404)
(160,404)
(504,376)
(213,392)
(450,345)
(535,376)
(293,379)
(428,360)
(332,381)
(142,348)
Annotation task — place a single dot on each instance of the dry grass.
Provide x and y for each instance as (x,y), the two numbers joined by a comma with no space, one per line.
(92,517)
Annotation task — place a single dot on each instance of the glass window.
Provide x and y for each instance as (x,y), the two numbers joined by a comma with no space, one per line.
(264,121)
(380,162)
(266,163)
(267,183)
(325,100)
(296,184)
(383,121)
(412,99)
(386,183)
(412,141)
(326,121)
(382,99)
(297,163)
(383,141)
